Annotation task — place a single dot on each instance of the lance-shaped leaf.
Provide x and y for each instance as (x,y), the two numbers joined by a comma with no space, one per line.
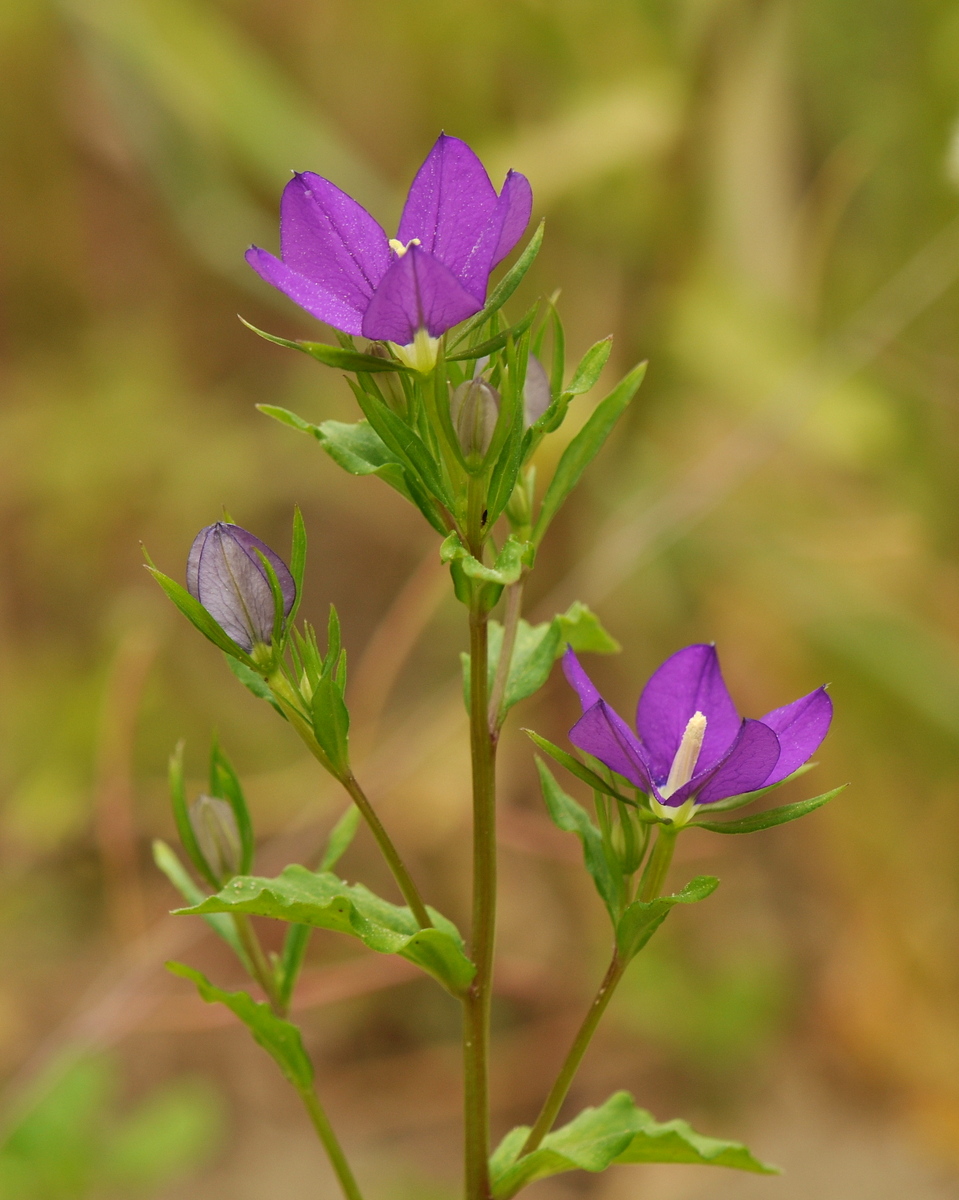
(499,340)
(326,902)
(335,356)
(280,1039)
(769,818)
(643,917)
(169,863)
(331,720)
(585,446)
(615,1132)
(745,798)
(341,837)
(571,817)
(506,286)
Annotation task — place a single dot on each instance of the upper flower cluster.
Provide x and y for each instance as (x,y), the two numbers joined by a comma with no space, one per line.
(337,262)
(690,743)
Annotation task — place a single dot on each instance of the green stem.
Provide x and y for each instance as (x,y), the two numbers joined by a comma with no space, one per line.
(289,701)
(658,865)
(263,973)
(332,1147)
(476,1017)
(559,1090)
(514,607)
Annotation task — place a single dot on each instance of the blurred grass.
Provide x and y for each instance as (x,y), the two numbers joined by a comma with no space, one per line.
(730,186)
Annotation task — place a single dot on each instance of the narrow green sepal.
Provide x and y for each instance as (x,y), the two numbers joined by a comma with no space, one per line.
(596,782)
(769,818)
(335,356)
(253,682)
(491,345)
(744,798)
(197,615)
(278,1037)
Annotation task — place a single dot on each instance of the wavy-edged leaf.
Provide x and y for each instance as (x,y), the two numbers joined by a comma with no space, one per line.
(771,817)
(168,862)
(279,1038)
(335,356)
(585,446)
(508,566)
(642,918)
(615,1132)
(324,901)
(571,817)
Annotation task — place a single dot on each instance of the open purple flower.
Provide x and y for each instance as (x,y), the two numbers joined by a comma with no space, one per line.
(338,263)
(226,575)
(690,744)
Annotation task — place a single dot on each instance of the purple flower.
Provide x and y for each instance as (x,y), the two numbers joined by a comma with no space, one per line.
(226,575)
(690,744)
(337,262)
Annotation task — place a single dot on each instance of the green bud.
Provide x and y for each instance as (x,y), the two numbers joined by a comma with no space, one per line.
(218,836)
(474,411)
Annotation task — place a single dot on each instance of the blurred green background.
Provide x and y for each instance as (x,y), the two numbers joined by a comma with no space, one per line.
(760,196)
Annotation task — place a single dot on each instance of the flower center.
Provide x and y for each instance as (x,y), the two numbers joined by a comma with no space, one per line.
(420,354)
(399,249)
(684,764)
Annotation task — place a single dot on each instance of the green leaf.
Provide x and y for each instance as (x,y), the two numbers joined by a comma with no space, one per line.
(280,1039)
(580,628)
(225,783)
(194,612)
(745,798)
(615,1132)
(297,560)
(407,446)
(326,902)
(181,815)
(506,286)
(291,960)
(507,568)
(499,341)
(331,720)
(253,682)
(335,356)
(642,918)
(571,817)
(585,446)
(590,367)
(341,835)
(769,818)
(169,863)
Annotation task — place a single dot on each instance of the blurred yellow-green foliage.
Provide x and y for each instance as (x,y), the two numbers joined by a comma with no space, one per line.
(760,196)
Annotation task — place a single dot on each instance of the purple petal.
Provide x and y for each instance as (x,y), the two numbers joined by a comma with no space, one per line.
(453,209)
(743,768)
(331,239)
(516,205)
(603,733)
(800,727)
(417,292)
(536,391)
(578,680)
(318,301)
(225,574)
(688,682)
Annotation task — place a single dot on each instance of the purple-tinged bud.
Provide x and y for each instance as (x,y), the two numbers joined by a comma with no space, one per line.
(226,575)
(218,836)
(474,411)
(536,392)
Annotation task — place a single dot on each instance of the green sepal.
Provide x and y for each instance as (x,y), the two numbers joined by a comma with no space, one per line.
(168,862)
(585,446)
(499,341)
(181,816)
(506,286)
(745,798)
(571,817)
(335,356)
(769,818)
(341,836)
(615,1132)
(197,615)
(225,784)
(254,682)
(297,561)
(324,901)
(596,782)
(279,1038)
(642,918)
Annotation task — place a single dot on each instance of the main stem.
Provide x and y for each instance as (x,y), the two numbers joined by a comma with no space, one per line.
(476,1016)
(331,1145)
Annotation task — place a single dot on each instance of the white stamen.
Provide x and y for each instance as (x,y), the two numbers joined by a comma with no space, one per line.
(684,764)
(399,249)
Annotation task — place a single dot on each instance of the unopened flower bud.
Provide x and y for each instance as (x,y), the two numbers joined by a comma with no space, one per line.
(218,836)
(474,411)
(226,575)
(536,392)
